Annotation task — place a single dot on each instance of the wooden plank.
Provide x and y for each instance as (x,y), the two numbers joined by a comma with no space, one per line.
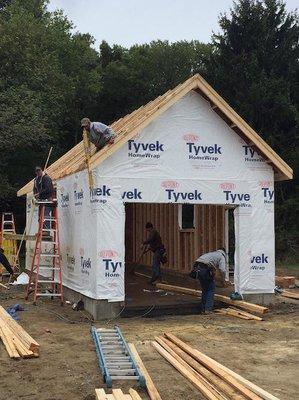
(238,303)
(4,286)
(246,314)
(118,394)
(230,314)
(285,281)
(8,343)
(217,382)
(100,394)
(151,389)
(143,275)
(253,387)
(290,295)
(187,372)
(210,364)
(134,394)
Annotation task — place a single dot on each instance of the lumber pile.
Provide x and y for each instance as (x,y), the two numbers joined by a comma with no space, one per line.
(224,299)
(285,282)
(234,312)
(117,394)
(213,380)
(17,341)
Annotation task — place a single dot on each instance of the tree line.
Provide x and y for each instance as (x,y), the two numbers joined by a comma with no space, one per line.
(50,77)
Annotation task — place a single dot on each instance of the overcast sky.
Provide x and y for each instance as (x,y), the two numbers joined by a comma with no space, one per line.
(127,22)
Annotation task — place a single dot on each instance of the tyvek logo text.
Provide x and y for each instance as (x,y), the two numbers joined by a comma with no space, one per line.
(145,150)
(259,262)
(251,155)
(100,194)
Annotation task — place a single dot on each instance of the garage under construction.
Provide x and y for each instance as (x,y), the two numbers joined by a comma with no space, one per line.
(181,161)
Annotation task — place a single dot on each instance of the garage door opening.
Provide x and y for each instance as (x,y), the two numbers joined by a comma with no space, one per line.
(187,231)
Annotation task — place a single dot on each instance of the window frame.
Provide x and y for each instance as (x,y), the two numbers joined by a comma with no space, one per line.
(180,218)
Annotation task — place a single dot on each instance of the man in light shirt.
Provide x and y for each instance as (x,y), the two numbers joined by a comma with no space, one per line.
(204,270)
(98,133)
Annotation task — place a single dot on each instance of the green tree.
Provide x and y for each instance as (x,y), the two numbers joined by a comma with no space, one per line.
(254,66)
(132,77)
(49,78)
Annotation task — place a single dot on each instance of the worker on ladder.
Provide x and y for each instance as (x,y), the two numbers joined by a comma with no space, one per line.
(98,133)
(43,190)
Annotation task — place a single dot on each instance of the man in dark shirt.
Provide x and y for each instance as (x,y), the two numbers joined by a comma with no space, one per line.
(43,190)
(4,261)
(154,243)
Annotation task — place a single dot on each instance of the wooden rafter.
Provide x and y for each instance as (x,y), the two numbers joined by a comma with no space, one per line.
(130,125)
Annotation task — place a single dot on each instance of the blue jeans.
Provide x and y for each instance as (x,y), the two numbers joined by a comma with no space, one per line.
(208,290)
(156,267)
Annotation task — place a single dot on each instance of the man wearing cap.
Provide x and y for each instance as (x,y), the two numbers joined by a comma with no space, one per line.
(204,270)
(98,133)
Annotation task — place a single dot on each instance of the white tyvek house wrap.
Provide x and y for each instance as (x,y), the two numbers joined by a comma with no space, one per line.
(187,155)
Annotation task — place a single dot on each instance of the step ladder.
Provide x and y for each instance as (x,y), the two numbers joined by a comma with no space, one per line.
(48,232)
(9,245)
(115,358)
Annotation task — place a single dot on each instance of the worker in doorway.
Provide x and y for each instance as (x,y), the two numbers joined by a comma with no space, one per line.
(204,270)
(4,261)
(154,244)
(98,133)
(43,190)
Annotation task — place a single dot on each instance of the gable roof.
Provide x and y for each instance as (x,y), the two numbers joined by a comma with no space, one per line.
(128,126)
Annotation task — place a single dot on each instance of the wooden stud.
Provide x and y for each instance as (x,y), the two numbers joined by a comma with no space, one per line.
(100,394)
(254,388)
(151,389)
(187,372)
(246,314)
(238,303)
(290,295)
(19,332)
(134,394)
(210,364)
(217,382)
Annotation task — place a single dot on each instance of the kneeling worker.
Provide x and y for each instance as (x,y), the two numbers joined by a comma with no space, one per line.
(154,243)
(204,270)
(98,133)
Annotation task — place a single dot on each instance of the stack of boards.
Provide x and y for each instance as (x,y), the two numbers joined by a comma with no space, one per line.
(18,343)
(212,379)
(117,394)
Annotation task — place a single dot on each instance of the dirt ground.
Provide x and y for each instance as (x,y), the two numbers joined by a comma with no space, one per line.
(264,352)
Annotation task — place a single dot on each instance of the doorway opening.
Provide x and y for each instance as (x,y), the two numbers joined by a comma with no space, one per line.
(187,231)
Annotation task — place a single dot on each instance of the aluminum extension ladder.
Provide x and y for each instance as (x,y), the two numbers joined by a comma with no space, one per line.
(51,236)
(115,358)
(10,245)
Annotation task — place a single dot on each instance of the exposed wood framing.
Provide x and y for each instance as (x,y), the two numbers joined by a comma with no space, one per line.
(130,125)
(183,246)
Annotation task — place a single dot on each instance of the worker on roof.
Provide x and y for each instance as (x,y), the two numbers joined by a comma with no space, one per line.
(204,269)
(43,190)
(154,243)
(98,133)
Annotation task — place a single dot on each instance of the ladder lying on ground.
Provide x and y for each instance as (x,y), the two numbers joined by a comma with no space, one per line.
(8,228)
(115,358)
(50,236)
